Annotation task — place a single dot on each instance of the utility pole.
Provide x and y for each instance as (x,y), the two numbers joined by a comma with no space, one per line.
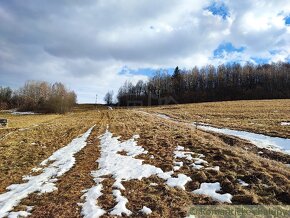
(96,100)
(149,98)
(61,105)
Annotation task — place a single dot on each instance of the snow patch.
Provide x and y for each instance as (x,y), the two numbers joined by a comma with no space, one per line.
(179,148)
(260,140)
(177,166)
(163,116)
(210,189)
(125,168)
(36,169)
(215,168)
(120,207)
(90,208)
(199,161)
(146,210)
(180,153)
(179,182)
(117,184)
(285,123)
(19,214)
(196,166)
(183,154)
(63,160)
(24,113)
(200,155)
(242,183)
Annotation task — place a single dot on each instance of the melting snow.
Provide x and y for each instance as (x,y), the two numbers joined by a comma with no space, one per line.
(285,123)
(180,153)
(183,154)
(178,165)
(146,210)
(210,189)
(179,148)
(121,204)
(216,168)
(90,208)
(63,160)
(36,169)
(21,213)
(199,161)
(196,166)
(179,182)
(124,168)
(261,141)
(23,113)
(200,155)
(163,116)
(242,183)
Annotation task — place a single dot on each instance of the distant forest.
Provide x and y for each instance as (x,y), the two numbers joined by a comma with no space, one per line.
(210,83)
(38,97)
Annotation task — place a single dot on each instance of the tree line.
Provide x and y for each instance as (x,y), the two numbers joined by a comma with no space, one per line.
(37,96)
(209,83)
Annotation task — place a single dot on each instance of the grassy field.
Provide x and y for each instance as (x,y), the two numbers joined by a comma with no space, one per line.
(32,138)
(264,116)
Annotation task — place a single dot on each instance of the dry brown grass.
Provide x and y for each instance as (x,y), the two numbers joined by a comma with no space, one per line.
(24,148)
(268,179)
(21,122)
(256,115)
(25,121)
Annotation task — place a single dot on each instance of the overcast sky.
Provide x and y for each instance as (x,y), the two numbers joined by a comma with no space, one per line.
(93,46)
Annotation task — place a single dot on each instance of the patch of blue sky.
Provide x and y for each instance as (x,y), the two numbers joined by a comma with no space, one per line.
(145,71)
(226,47)
(259,60)
(219,9)
(273,52)
(287,20)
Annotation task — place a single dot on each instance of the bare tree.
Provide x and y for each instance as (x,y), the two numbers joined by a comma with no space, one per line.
(209,83)
(44,97)
(109,97)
